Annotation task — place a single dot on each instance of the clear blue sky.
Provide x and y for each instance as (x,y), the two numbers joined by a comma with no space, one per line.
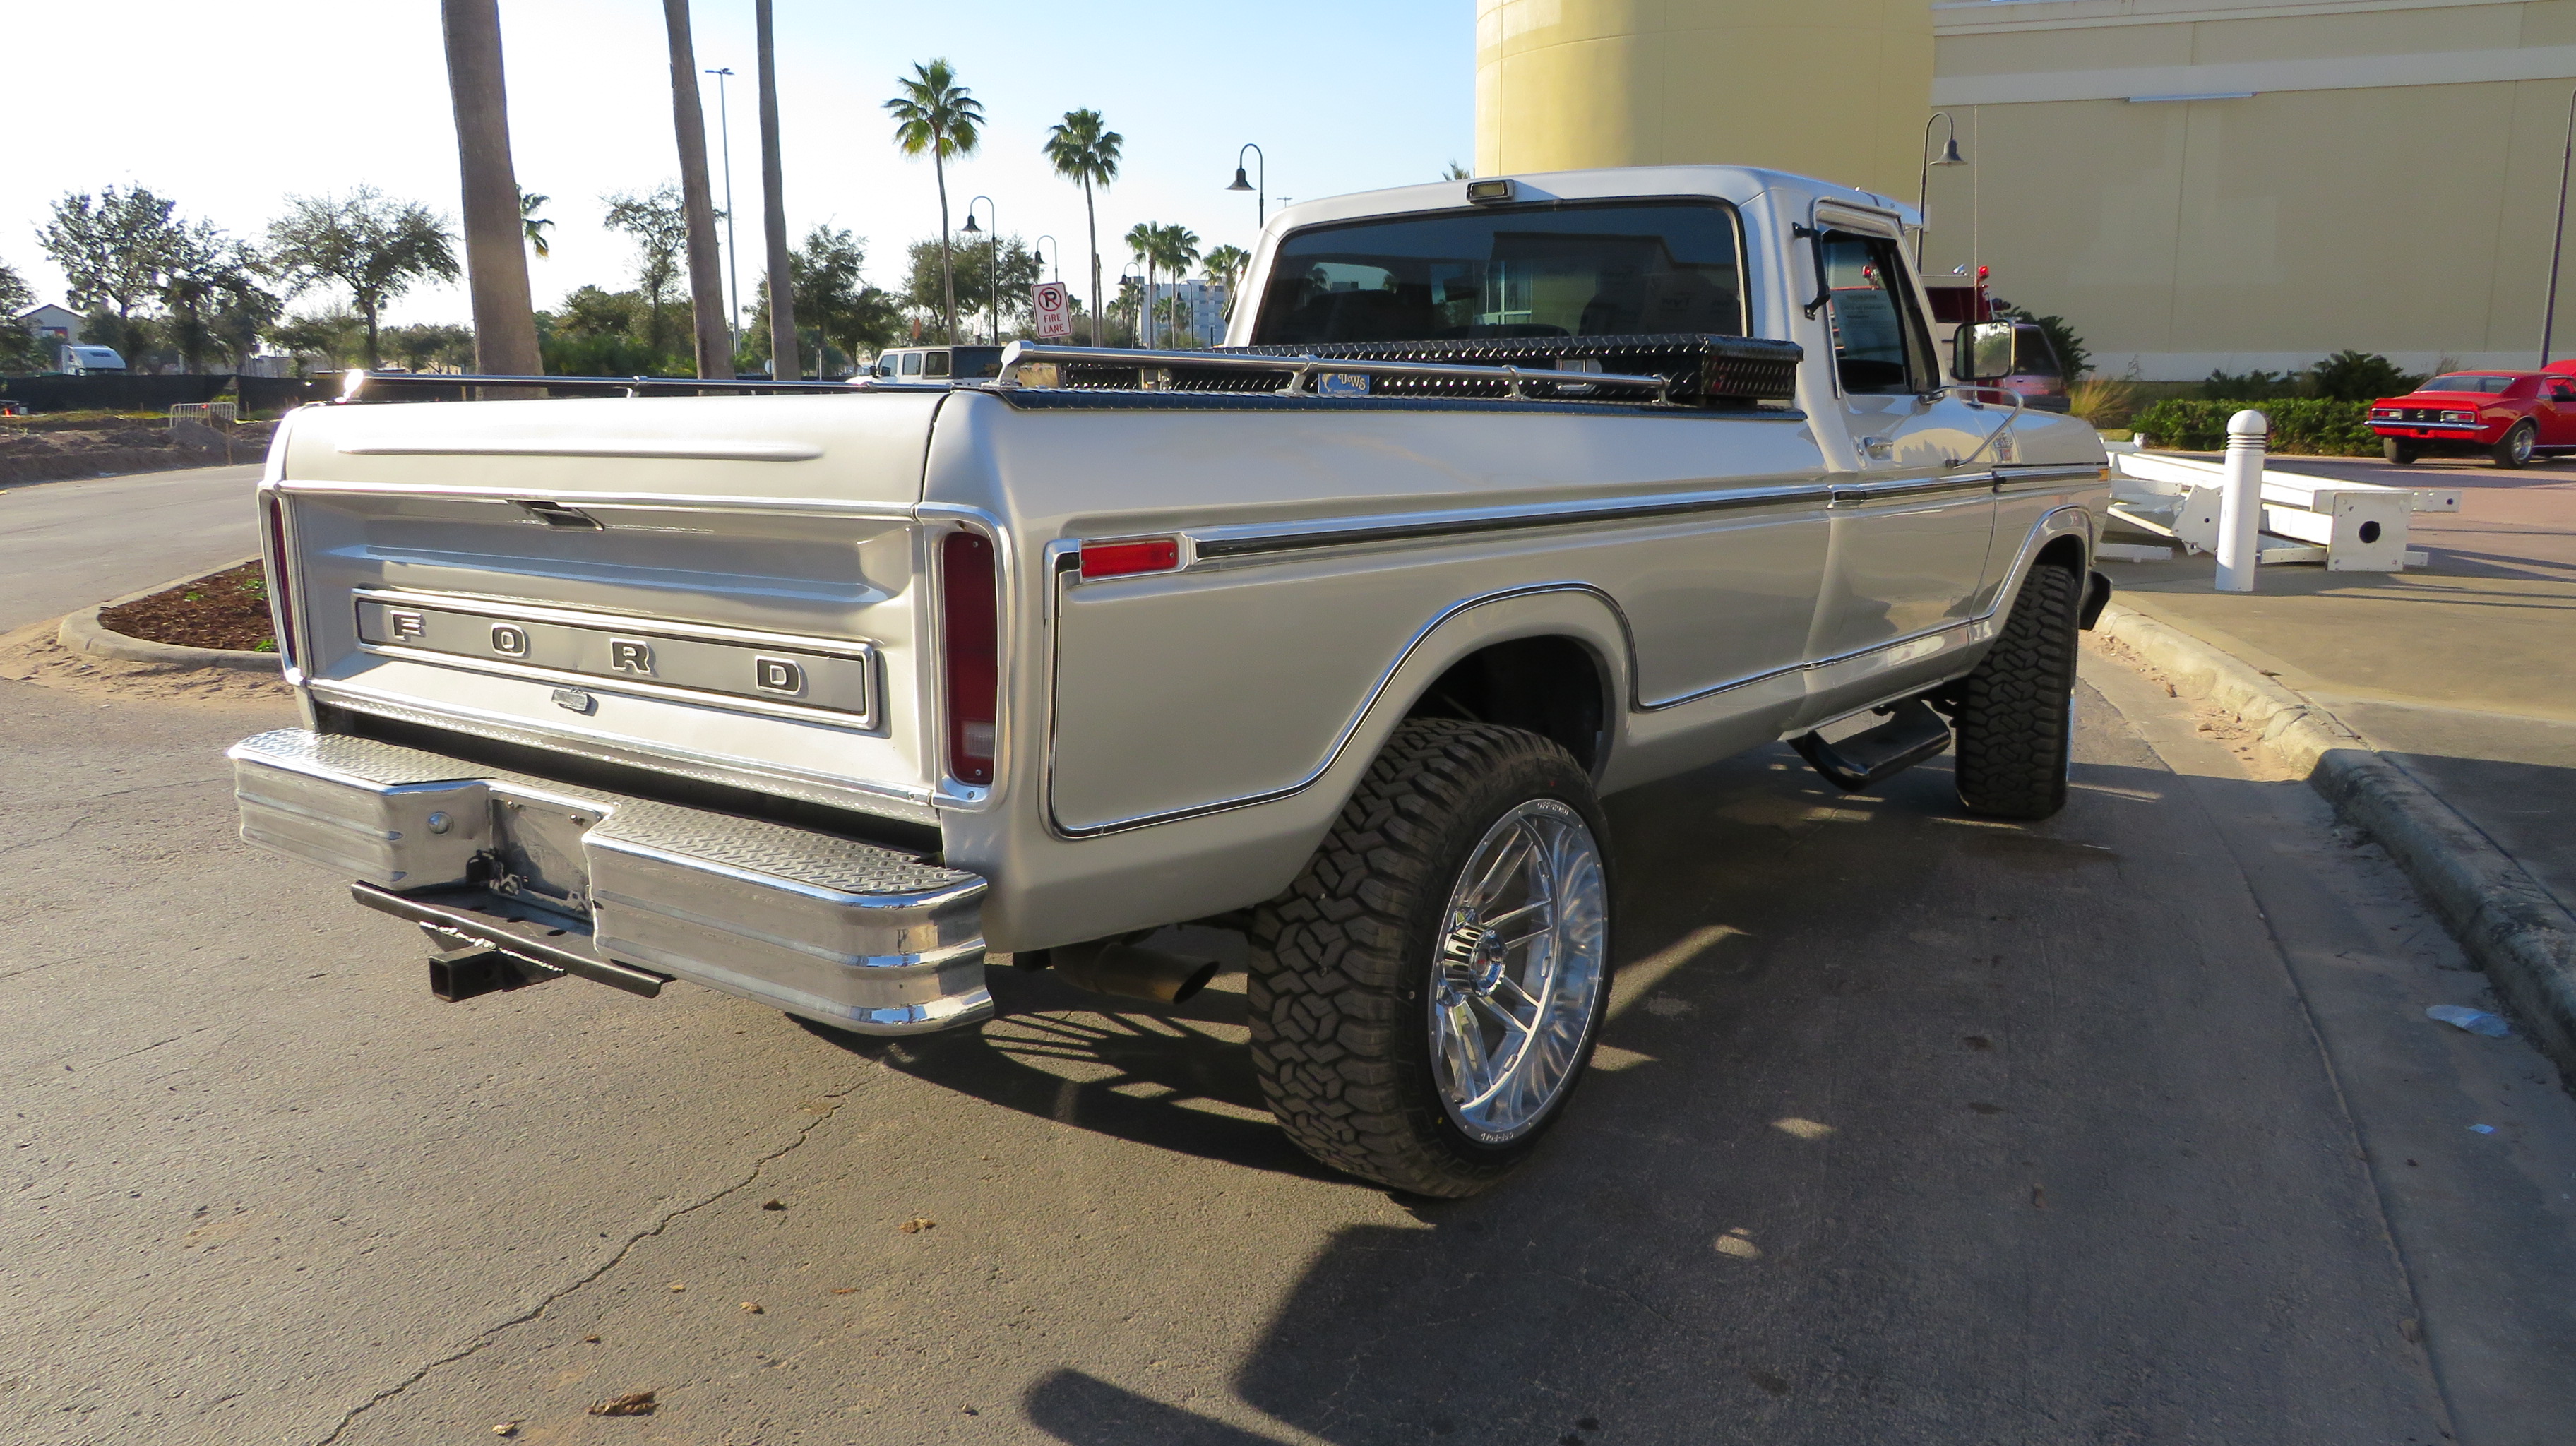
(227,109)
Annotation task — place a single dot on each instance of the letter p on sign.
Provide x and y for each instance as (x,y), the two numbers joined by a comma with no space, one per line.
(1052,309)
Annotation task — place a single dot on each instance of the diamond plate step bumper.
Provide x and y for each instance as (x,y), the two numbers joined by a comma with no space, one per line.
(845,933)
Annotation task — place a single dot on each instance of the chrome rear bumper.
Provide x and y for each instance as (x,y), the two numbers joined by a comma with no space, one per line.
(846,933)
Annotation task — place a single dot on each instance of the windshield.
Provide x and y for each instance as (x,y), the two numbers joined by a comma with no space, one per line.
(1616,270)
(2467,382)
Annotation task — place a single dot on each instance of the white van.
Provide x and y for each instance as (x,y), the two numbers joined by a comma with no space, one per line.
(938,363)
(82,361)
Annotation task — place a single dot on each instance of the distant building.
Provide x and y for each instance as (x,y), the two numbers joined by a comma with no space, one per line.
(53,324)
(1205,325)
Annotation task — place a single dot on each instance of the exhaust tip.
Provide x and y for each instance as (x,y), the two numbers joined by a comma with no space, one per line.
(1132,973)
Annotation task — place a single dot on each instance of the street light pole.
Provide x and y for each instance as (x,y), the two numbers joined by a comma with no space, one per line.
(993,261)
(2558,239)
(1923,189)
(733,263)
(1058,268)
(1260,192)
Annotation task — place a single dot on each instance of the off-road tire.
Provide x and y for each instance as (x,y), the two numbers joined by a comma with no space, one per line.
(2402,453)
(2514,449)
(1341,963)
(2016,712)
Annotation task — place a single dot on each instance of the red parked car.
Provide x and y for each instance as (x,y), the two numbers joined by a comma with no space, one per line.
(2509,416)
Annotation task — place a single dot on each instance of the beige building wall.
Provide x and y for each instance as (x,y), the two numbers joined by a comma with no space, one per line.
(2201,185)
(1831,88)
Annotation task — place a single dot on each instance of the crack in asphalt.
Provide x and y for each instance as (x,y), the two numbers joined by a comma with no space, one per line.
(487,1335)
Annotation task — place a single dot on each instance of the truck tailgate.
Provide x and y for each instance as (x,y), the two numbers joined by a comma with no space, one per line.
(723,586)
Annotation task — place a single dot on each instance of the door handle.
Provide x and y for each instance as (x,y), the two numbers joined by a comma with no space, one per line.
(1878,448)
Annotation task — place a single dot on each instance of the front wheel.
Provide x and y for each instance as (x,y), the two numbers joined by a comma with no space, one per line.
(1426,995)
(2515,449)
(2016,713)
(2401,452)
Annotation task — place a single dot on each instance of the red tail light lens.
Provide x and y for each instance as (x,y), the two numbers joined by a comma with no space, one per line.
(970,634)
(281,597)
(1122,559)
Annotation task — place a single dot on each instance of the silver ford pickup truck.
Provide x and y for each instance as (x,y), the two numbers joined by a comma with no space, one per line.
(1504,495)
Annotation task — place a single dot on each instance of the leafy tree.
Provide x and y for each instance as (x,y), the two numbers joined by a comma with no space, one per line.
(2352,376)
(1457,172)
(338,337)
(20,349)
(659,222)
(534,226)
(365,243)
(1082,149)
(114,251)
(973,276)
(210,288)
(431,344)
(835,299)
(933,113)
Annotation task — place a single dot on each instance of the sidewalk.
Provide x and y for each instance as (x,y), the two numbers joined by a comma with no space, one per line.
(2461,673)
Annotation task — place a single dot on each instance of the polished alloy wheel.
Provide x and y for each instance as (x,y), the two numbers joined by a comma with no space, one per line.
(1521,970)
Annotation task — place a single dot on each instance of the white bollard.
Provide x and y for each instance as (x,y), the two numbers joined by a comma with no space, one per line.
(2240,502)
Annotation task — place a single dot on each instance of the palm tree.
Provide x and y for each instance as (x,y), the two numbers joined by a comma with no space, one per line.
(1081,151)
(706,272)
(505,319)
(934,113)
(533,224)
(1177,248)
(783,363)
(1225,267)
(1144,242)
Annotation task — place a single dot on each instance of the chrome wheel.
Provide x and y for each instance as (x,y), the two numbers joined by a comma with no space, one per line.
(1520,971)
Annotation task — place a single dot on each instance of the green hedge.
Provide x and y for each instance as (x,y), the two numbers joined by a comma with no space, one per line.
(2315,426)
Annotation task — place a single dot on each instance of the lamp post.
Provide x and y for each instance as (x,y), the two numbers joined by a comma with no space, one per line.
(1923,191)
(1055,271)
(1260,193)
(993,260)
(2558,239)
(733,264)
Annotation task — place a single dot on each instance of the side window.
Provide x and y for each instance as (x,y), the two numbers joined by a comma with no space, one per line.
(1879,341)
(934,364)
(2562,391)
(912,363)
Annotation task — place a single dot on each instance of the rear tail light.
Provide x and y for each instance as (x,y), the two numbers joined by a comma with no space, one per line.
(281,597)
(2459,416)
(1135,555)
(970,634)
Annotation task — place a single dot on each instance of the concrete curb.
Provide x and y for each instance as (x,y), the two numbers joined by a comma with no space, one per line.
(2524,939)
(83,633)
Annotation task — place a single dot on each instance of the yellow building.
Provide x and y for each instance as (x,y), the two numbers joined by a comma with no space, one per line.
(2193,184)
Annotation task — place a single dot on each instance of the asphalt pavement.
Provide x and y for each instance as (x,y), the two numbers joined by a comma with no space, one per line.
(66,545)
(1910,1127)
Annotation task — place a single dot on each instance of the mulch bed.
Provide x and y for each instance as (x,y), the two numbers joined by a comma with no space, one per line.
(227,610)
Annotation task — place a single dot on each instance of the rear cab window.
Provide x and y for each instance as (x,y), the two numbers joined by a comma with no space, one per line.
(1563,269)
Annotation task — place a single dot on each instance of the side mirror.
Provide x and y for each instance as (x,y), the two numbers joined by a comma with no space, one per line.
(1985,351)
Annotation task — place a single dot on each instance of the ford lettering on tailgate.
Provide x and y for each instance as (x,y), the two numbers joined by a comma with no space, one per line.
(819,678)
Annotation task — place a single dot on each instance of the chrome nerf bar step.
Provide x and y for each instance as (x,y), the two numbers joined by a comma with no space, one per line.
(843,932)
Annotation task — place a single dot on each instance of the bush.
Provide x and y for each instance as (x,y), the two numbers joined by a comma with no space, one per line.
(2352,376)
(2315,426)
(2248,386)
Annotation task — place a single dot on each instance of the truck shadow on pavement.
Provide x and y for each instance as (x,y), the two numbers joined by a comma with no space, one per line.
(1910,1127)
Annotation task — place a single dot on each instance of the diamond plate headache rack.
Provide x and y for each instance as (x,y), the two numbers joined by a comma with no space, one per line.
(1678,368)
